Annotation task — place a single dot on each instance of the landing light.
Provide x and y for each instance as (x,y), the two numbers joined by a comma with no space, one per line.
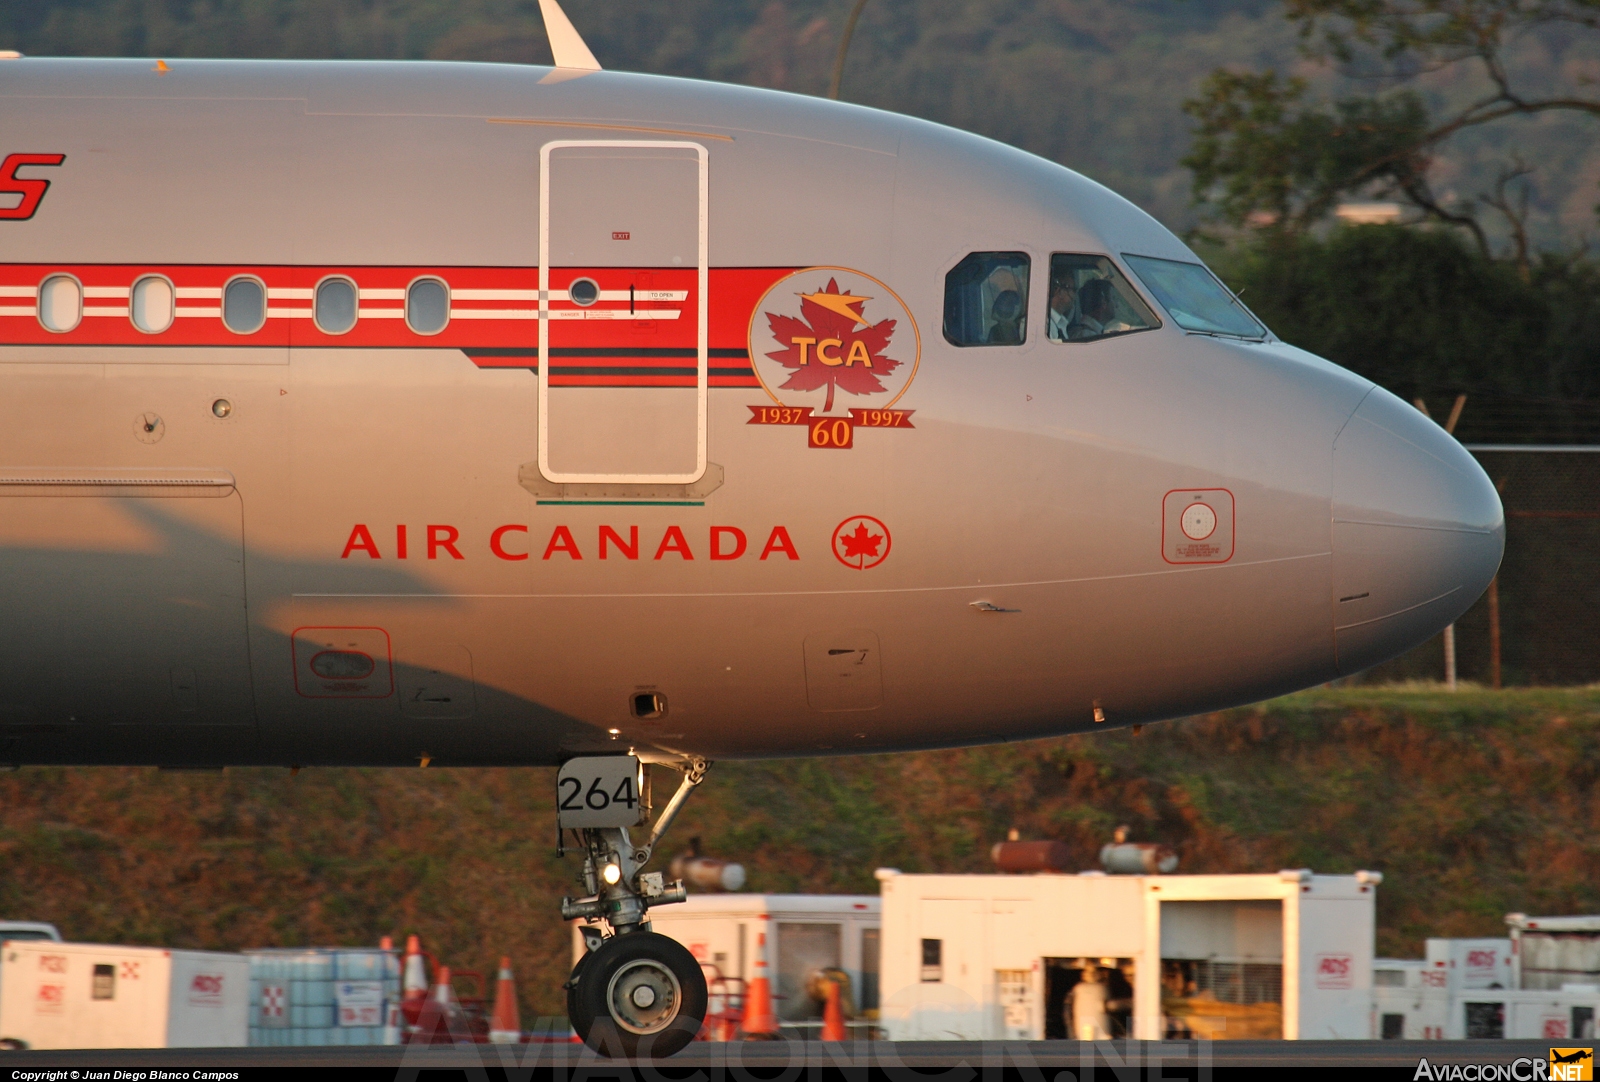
(611,873)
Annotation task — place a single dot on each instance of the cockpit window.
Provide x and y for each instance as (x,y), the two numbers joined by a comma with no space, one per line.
(986,300)
(1194,298)
(1090,299)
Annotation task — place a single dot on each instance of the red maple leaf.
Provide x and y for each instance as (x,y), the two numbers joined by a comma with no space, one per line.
(861,543)
(829,348)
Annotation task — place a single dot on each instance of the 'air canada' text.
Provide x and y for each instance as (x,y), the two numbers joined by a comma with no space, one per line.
(515,542)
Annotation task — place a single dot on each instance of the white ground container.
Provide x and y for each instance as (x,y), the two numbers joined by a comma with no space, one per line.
(1467,988)
(804,933)
(1410,999)
(986,957)
(87,995)
(1554,1015)
(1470,963)
(1551,952)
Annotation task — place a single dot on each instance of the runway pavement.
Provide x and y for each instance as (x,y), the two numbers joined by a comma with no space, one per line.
(953,1061)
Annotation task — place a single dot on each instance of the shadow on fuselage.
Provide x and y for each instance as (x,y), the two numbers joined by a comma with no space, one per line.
(127,639)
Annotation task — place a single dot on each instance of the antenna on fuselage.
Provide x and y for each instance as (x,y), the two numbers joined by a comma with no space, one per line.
(566,44)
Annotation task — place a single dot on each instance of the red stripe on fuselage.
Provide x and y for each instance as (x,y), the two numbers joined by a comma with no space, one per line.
(491,308)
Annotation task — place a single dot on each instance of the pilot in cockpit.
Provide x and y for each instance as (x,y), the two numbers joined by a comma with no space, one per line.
(1007,313)
(1063,308)
(1098,312)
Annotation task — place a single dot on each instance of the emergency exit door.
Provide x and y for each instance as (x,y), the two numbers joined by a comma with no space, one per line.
(622,311)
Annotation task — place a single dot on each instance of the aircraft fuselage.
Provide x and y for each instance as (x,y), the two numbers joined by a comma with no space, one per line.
(637,421)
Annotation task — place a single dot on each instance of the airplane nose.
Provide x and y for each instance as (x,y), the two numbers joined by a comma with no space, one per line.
(1418,531)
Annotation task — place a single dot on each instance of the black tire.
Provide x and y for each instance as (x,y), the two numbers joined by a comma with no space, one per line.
(640,994)
(572,992)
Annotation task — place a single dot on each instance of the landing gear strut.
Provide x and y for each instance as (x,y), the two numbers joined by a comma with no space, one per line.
(634,992)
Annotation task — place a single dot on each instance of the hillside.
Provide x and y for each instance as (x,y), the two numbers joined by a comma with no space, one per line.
(1094,84)
(1472,804)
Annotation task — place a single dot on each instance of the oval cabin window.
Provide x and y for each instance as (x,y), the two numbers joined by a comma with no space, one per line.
(336,305)
(151,305)
(60,303)
(244,306)
(427,306)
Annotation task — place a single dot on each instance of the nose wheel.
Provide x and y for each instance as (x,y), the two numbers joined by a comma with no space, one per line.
(641,994)
(633,993)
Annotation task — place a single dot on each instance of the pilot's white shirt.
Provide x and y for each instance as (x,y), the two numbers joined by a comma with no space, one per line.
(1057,331)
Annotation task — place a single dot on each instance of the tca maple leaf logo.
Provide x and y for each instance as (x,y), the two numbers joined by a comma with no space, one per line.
(832,345)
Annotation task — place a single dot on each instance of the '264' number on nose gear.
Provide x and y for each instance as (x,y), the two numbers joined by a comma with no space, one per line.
(600,791)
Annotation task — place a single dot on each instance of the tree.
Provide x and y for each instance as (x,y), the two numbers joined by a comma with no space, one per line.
(1263,149)
(1415,310)
(1261,154)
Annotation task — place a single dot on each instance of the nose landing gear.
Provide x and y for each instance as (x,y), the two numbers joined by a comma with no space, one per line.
(634,992)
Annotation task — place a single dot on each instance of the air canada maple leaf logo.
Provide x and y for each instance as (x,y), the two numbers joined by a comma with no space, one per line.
(861,542)
(832,345)
(825,330)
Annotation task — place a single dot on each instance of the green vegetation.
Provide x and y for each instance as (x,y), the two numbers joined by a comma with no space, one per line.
(1425,72)
(1472,804)
(1421,312)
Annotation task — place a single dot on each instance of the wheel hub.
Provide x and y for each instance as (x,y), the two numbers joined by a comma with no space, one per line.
(644,996)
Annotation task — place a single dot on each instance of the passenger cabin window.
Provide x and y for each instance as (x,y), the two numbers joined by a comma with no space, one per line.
(336,305)
(152,304)
(1194,298)
(1090,299)
(60,303)
(244,305)
(986,300)
(427,306)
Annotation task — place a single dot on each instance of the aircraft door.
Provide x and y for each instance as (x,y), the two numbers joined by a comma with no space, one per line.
(623,227)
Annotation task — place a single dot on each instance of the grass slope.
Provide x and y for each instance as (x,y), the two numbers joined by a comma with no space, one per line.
(1472,804)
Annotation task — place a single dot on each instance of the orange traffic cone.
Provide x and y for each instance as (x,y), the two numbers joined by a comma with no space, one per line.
(441,1021)
(758,1020)
(393,1025)
(505,1026)
(832,1016)
(414,982)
